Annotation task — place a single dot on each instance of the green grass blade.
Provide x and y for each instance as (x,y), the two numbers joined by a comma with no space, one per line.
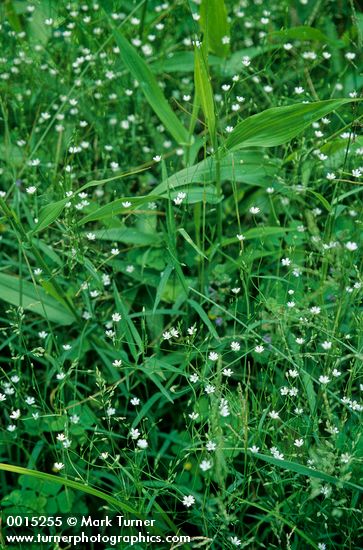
(33,298)
(279,125)
(214,24)
(49,478)
(308,472)
(203,89)
(151,89)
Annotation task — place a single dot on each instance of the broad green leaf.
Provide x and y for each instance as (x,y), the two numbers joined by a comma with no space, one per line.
(33,298)
(299,33)
(117,207)
(151,89)
(49,214)
(203,89)
(279,125)
(48,478)
(215,27)
(308,472)
(128,235)
(242,166)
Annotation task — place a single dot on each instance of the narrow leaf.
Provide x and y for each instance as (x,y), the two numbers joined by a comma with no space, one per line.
(203,89)
(151,89)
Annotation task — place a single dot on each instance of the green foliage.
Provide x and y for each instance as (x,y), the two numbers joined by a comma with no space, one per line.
(181,270)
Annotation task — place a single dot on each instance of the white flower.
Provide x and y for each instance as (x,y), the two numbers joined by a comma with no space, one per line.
(15,414)
(273,414)
(345,457)
(351,246)
(110,411)
(356,173)
(259,349)
(142,444)
(299,442)
(126,204)
(194,378)
(114,251)
(211,446)
(58,466)
(229,129)
(213,356)
(246,61)
(31,190)
(157,158)
(205,465)
(188,501)
(134,433)
(240,237)
(254,210)
(299,90)
(193,415)
(315,310)
(286,261)
(291,304)
(324,379)
(116,317)
(330,176)
(11,428)
(91,236)
(191,330)
(209,389)
(326,345)
(166,335)
(336,373)
(135,401)
(227,372)
(117,363)
(235,346)
(350,56)
(254,449)
(235,541)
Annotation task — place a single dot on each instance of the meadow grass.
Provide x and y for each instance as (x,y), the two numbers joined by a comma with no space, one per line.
(181,270)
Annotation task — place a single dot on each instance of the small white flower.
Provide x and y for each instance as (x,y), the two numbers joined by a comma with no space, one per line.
(188,501)
(110,411)
(330,176)
(142,444)
(254,210)
(326,345)
(235,541)
(205,465)
(58,466)
(227,372)
(315,310)
(254,449)
(274,415)
(191,330)
(134,433)
(15,414)
(299,90)
(116,317)
(126,204)
(135,401)
(211,446)
(117,363)
(193,415)
(246,61)
(350,56)
(299,442)
(240,237)
(286,261)
(291,304)
(213,356)
(324,380)
(157,158)
(209,389)
(351,246)
(235,346)
(259,349)
(31,190)
(91,236)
